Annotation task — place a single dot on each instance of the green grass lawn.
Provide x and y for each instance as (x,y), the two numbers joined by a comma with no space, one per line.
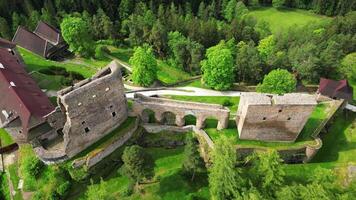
(35,63)
(231,102)
(13,171)
(5,138)
(282,19)
(169,183)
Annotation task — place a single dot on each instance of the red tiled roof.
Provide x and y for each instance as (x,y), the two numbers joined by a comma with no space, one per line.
(20,92)
(335,89)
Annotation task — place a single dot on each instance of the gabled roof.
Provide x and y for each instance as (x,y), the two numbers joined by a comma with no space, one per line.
(335,89)
(49,33)
(30,41)
(20,92)
(6,44)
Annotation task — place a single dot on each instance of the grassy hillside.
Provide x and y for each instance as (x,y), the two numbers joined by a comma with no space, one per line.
(281,19)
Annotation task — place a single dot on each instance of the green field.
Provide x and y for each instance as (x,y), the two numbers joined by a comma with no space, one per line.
(283,19)
(5,138)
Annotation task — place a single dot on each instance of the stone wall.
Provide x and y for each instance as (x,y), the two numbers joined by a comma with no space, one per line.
(273,117)
(92,107)
(179,109)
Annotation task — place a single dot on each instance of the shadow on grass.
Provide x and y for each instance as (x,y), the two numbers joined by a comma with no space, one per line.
(336,141)
(179,186)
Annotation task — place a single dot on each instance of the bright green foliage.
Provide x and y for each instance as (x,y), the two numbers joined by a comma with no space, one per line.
(101,51)
(144,66)
(266,171)
(192,161)
(99,192)
(32,166)
(348,66)
(138,165)
(225,179)
(33,20)
(278,81)
(218,67)
(266,47)
(76,33)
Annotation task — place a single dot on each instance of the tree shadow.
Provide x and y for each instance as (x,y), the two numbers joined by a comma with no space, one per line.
(178,185)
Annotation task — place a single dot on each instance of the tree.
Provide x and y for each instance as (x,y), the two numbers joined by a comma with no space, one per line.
(33,20)
(235,10)
(278,81)
(218,67)
(262,28)
(267,173)
(266,47)
(248,63)
(99,192)
(278,3)
(225,179)
(192,161)
(76,33)
(138,165)
(144,66)
(348,66)
(4,28)
(159,38)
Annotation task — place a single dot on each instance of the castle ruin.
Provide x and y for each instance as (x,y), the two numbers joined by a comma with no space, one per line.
(273,117)
(87,111)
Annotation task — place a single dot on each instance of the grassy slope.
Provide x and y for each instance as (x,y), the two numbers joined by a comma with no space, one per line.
(283,19)
(4,187)
(166,74)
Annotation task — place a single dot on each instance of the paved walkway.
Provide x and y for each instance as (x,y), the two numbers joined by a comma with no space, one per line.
(185,91)
(351,107)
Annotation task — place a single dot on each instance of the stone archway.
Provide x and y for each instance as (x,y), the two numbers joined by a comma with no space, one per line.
(190,119)
(148,116)
(168,118)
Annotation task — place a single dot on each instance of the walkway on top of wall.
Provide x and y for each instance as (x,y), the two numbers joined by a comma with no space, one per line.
(351,107)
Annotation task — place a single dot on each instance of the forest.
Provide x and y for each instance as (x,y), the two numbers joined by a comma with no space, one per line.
(182,32)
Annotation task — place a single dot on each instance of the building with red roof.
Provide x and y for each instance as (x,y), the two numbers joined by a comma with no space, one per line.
(23,105)
(45,41)
(335,89)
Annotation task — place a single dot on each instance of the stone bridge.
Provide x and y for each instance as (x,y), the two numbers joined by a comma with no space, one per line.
(168,111)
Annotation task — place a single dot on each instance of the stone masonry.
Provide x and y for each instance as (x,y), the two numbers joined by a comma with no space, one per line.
(87,111)
(179,109)
(273,117)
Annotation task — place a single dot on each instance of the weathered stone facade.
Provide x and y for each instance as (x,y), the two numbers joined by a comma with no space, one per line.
(165,108)
(273,117)
(88,111)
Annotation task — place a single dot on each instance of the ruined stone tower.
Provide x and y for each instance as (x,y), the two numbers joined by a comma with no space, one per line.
(273,117)
(87,112)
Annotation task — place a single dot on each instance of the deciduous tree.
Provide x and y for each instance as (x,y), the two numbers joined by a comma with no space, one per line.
(144,66)
(192,163)
(218,67)
(278,81)
(76,33)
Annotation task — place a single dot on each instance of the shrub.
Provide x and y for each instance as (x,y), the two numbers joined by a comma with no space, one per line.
(100,52)
(33,166)
(227,103)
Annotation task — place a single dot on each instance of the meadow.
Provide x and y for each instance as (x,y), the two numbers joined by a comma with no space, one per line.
(282,19)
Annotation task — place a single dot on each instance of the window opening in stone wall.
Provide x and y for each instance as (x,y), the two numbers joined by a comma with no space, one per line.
(86,129)
(289,118)
(264,118)
(280,110)
(113,114)
(83,122)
